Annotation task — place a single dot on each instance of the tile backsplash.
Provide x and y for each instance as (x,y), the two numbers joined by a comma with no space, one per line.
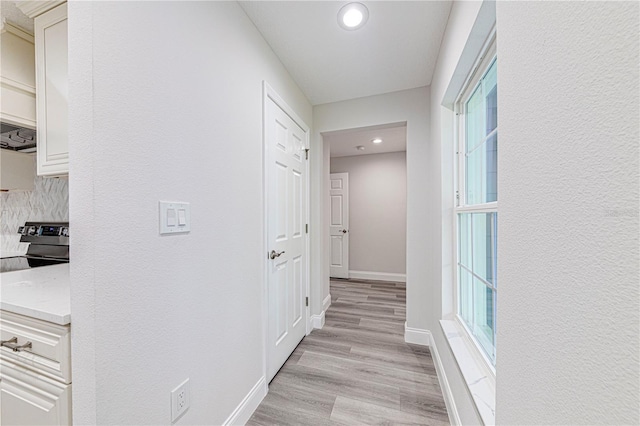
(48,201)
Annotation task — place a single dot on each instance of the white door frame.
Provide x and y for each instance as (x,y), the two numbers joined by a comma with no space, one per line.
(269,93)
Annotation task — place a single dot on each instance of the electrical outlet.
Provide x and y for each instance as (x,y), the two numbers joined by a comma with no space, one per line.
(180,400)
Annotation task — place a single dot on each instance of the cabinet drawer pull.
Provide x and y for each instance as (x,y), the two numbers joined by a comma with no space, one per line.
(13,344)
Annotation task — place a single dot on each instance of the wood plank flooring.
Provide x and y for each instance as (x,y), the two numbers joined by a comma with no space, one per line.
(358,369)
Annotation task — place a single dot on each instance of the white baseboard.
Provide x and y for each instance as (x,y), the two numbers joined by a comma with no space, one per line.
(417,336)
(378,276)
(317,321)
(245,409)
(454,417)
(326,303)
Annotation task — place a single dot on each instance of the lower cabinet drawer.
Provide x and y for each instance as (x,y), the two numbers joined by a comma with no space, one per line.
(27,398)
(50,351)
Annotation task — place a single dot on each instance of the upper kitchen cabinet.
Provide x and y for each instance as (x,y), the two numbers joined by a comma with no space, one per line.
(52,91)
(17,77)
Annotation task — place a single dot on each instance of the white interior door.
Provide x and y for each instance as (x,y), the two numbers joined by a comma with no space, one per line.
(339,192)
(286,235)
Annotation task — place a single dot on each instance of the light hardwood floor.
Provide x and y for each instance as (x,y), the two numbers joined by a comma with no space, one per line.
(357,369)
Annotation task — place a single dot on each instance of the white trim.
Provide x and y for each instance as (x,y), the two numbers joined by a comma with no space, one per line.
(416,336)
(479,381)
(326,303)
(34,8)
(248,405)
(483,28)
(378,276)
(317,321)
(15,30)
(452,410)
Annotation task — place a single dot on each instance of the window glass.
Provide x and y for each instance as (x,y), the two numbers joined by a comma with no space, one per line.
(483,310)
(484,250)
(464,247)
(475,120)
(477,219)
(481,142)
(490,88)
(466,295)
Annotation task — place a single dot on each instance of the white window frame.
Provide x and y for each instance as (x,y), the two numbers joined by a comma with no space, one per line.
(479,69)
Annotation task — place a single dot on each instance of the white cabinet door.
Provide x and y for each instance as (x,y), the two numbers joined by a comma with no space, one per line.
(51,91)
(27,398)
(339,227)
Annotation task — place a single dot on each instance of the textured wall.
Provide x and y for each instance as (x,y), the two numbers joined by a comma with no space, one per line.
(377,211)
(568,256)
(49,200)
(166,104)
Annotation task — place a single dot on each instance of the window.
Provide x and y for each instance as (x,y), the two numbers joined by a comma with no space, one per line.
(477,206)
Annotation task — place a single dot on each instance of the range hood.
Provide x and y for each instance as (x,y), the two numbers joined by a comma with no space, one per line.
(17,89)
(17,138)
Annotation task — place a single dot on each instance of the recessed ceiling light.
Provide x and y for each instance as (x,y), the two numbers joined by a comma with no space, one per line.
(376,140)
(353,16)
(360,148)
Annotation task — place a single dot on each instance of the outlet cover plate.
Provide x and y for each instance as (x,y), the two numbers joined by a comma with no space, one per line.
(180,400)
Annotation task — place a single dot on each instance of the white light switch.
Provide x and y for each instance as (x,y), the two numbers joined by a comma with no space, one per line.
(175,217)
(171,217)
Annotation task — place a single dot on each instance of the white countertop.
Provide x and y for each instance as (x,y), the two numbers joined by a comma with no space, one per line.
(4,254)
(42,293)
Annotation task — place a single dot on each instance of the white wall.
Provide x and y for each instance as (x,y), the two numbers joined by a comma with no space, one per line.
(166,104)
(412,107)
(377,211)
(568,257)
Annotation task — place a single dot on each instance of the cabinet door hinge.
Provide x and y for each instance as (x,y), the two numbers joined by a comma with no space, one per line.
(306,301)
(306,154)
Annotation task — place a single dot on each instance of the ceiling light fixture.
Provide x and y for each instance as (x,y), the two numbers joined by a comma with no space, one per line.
(376,140)
(353,16)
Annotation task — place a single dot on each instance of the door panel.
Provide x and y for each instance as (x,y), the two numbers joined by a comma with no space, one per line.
(339,225)
(336,251)
(286,218)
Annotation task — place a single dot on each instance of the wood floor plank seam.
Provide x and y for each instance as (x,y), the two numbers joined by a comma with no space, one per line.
(357,369)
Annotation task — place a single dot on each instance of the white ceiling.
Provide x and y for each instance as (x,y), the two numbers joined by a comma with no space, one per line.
(343,143)
(395,50)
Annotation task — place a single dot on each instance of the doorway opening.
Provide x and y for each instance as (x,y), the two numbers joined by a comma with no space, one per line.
(368,202)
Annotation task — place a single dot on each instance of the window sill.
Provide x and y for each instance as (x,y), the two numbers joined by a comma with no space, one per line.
(480,383)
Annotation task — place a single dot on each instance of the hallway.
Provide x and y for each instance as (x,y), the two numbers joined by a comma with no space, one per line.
(357,369)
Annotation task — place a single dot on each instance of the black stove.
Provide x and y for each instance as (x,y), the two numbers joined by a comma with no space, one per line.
(49,245)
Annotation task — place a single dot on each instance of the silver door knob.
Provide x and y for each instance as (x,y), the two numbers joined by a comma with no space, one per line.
(275,254)
(344,231)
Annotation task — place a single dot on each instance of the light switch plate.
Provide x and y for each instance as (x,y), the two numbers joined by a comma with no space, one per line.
(172,208)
